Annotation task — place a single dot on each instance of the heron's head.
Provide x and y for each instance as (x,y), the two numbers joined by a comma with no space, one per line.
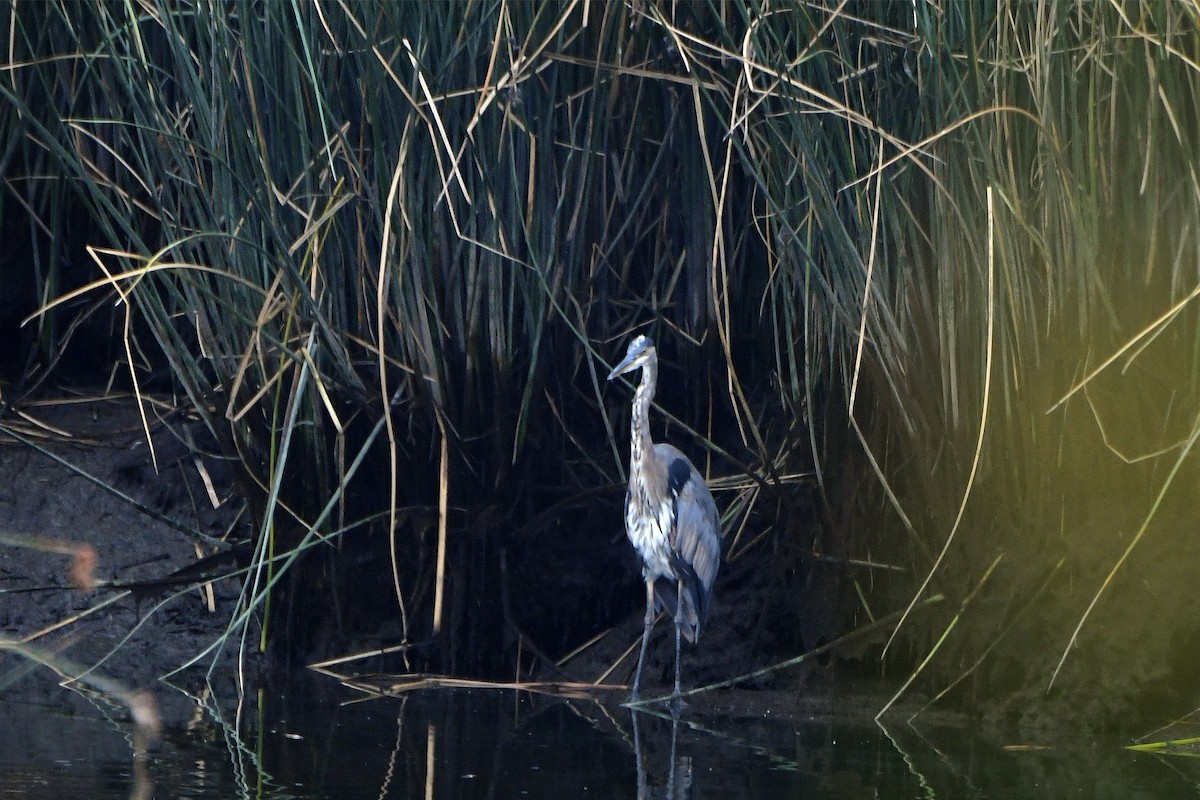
(641,352)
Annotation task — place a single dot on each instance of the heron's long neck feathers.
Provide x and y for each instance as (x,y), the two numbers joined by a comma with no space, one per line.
(639,432)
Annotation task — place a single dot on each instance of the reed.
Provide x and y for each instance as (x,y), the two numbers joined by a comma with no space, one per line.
(385,249)
(1046,406)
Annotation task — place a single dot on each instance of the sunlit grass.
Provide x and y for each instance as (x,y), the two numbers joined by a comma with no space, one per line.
(1093,395)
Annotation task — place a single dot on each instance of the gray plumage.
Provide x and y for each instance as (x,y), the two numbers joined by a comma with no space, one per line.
(670,517)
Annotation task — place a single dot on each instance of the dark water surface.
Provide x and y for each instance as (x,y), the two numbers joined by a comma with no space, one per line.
(491,744)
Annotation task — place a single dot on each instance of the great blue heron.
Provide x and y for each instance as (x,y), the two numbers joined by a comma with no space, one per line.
(670,517)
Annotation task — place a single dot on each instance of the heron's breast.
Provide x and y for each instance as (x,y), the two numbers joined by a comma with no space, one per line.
(649,525)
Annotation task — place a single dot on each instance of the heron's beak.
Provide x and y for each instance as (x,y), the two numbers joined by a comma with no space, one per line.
(630,363)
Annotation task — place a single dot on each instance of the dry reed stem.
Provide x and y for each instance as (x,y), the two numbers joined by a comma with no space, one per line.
(1154,327)
(941,639)
(983,421)
(842,641)
(143,709)
(443,504)
(1145,526)
(394,686)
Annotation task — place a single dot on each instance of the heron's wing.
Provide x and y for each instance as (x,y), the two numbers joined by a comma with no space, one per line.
(694,540)
(697,538)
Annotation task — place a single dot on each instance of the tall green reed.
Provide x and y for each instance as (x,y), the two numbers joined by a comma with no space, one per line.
(445,207)
(425,224)
(1079,122)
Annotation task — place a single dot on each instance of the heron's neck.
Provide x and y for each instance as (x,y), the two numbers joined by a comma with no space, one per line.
(640,428)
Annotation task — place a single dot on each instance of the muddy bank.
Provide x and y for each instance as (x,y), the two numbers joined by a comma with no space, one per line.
(77,474)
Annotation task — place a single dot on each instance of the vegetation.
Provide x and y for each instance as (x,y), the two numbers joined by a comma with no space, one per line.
(926,273)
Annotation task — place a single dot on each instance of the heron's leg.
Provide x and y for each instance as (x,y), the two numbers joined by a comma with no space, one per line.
(643,792)
(678,627)
(647,624)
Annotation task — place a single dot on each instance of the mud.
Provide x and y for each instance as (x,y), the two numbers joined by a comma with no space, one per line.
(78,473)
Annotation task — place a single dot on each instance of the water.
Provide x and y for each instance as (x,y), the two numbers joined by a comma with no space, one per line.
(492,744)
